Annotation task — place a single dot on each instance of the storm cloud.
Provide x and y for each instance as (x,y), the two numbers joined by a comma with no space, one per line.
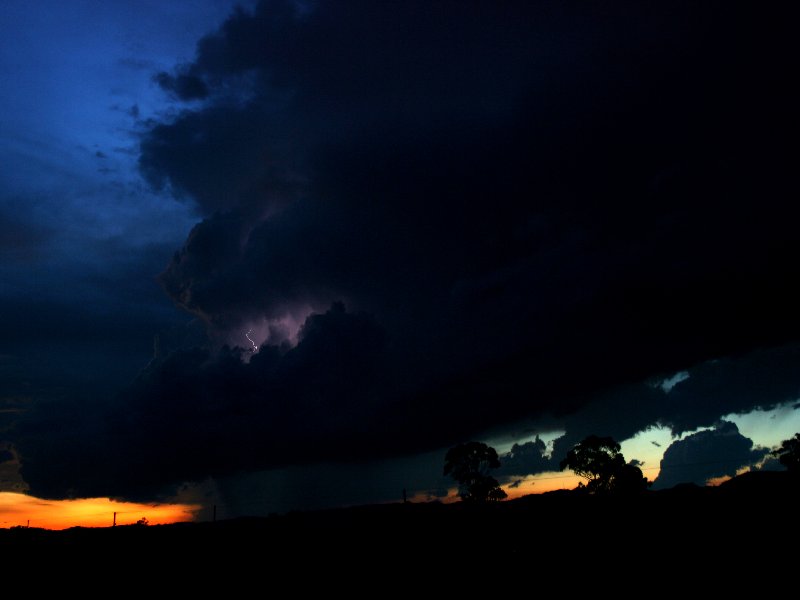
(563,167)
(707,454)
(193,414)
(521,207)
(525,459)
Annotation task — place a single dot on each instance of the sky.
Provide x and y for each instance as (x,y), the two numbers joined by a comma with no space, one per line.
(276,255)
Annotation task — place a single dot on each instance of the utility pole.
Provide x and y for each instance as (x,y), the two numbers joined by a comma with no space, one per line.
(115,520)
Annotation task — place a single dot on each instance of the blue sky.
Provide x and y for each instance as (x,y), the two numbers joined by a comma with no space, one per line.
(83,237)
(78,81)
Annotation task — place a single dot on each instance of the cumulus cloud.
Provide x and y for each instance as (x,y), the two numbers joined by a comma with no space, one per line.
(764,379)
(707,454)
(524,459)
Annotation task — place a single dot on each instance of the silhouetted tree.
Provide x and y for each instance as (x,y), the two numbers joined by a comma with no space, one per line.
(469,464)
(593,458)
(628,479)
(143,522)
(789,453)
(600,461)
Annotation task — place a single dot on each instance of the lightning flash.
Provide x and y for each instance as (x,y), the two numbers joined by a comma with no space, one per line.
(247,335)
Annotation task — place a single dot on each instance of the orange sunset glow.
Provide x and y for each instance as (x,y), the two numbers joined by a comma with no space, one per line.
(543,482)
(533,484)
(21,509)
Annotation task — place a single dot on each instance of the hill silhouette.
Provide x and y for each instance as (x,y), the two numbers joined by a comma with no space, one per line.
(756,509)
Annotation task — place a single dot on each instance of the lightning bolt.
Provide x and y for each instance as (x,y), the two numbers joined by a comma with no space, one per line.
(247,335)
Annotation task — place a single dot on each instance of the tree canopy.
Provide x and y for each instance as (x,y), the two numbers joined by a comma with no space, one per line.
(469,464)
(789,453)
(600,461)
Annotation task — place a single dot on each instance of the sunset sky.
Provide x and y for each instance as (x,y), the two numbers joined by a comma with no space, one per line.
(276,255)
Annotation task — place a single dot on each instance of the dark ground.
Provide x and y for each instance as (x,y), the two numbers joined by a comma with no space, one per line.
(741,527)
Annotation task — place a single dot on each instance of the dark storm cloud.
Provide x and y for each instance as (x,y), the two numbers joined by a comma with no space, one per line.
(554,199)
(194,413)
(185,87)
(590,174)
(525,459)
(705,455)
(221,158)
(533,201)
(763,379)
(619,413)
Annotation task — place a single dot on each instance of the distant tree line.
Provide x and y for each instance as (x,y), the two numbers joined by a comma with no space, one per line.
(599,460)
(469,464)
(789,454)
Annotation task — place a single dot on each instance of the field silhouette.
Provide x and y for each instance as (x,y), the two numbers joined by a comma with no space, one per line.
(560,530)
